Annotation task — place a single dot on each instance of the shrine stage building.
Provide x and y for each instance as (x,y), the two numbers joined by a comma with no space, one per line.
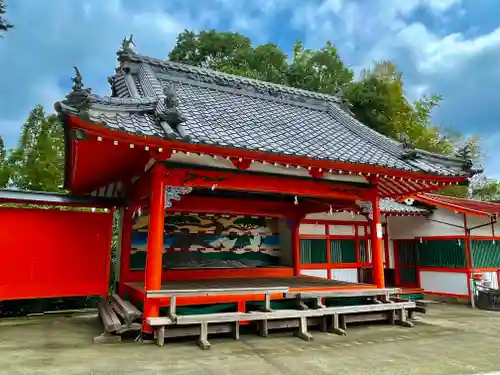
(236,192)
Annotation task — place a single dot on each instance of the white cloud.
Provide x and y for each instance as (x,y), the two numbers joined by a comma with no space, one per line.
(434,53)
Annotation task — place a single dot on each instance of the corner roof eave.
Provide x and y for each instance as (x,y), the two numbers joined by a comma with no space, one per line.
(435,201)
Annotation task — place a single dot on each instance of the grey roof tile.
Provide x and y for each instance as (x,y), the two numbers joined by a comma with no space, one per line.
(231,111)
(270,125)
(391,206)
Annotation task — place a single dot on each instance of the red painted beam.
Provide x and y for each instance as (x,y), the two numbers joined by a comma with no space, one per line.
(215,179)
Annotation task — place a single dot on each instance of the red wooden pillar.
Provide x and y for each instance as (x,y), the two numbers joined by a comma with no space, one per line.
(155,239)
(295,227)
(376,234)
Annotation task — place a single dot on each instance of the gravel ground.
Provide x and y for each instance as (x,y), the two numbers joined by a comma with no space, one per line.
(449,340)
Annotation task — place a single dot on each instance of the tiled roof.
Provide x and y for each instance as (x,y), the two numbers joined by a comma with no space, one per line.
(390,206)
(220,109)
(461,204)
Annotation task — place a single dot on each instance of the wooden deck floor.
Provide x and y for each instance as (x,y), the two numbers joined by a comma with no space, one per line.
(293,283)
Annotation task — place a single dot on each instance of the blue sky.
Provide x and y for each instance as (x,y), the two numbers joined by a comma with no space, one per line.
(447,47)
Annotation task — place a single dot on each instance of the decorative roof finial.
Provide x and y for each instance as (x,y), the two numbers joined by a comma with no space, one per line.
(170,100)
(127,44)
(77,80)
(171,114)
(79,97)
(405,141)
(409,151)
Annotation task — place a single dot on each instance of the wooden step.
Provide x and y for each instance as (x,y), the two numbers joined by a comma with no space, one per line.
(108,317)
(128,312)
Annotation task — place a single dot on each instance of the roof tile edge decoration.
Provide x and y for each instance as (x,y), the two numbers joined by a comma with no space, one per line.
(178,108)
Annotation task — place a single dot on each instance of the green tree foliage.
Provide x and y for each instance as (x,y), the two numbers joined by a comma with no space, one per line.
(4,24)
(38,161)
(4,168)
(489,190)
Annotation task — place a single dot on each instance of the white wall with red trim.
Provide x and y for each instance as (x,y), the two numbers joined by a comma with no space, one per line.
(443,224)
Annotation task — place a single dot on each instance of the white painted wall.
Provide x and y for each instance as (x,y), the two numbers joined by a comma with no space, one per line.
(345,274)
(312,229)
(474,221)
(342,230)
(408,227)
(316,273)
(444,282)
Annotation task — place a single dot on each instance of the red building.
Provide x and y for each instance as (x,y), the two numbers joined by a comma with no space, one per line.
(216,172)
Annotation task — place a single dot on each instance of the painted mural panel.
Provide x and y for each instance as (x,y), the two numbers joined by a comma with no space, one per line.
(211,241)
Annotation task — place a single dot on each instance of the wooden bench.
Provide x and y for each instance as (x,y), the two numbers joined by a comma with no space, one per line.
(159,324)
(128,312)
(336,314)
(110,322)
(117,316)
(319,296)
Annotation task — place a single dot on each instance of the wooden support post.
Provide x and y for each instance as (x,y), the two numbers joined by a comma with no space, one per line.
(391,317)
(236,331)
(323,324)
(376,234)
(267,303)
(338,325)
(318,303)
(155,241)
(299,303)
(295,229)
(160,336)
(262,327)
(303,334)
(402,318)
(203,340)
(173,306)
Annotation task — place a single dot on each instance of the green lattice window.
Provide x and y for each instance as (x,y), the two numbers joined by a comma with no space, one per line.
(343,251)
(313,251)
(442,254)
(485,253)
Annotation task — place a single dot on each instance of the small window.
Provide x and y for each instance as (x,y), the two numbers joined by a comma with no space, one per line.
(343,251)
(313,251)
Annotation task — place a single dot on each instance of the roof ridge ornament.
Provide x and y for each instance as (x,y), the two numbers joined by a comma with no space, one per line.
(127,44)
(171,115)
(465,153)
(79,97)
(409,151)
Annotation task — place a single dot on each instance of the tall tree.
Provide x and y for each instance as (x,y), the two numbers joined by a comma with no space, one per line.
(4,24)
(4,168)
(489,190)
(38,161)
(318,70)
